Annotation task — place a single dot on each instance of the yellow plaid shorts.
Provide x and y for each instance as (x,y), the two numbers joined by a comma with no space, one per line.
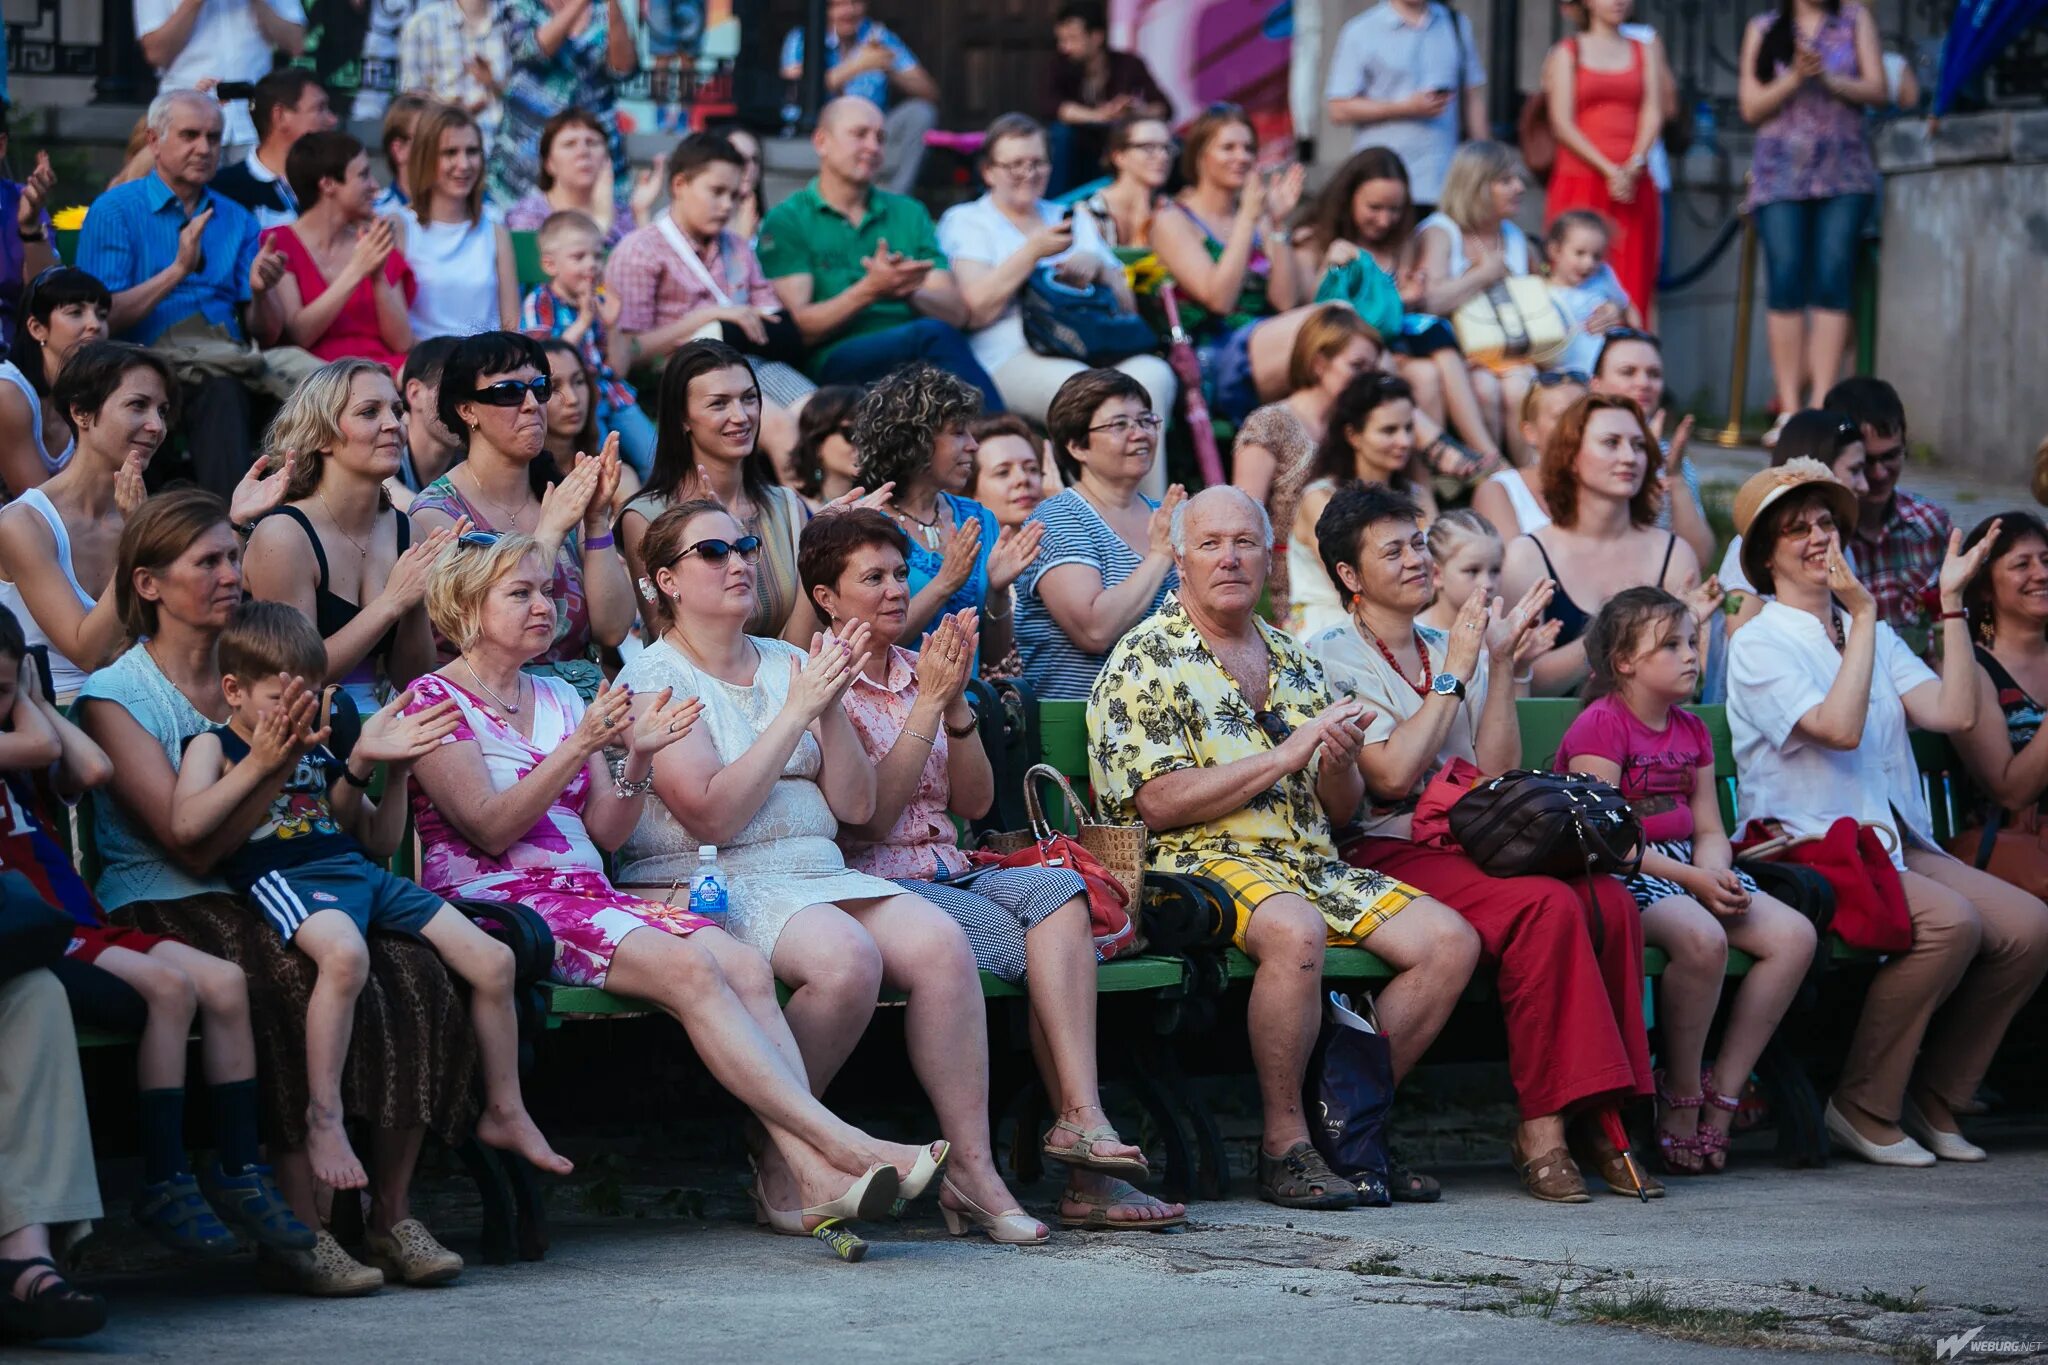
(1368,900)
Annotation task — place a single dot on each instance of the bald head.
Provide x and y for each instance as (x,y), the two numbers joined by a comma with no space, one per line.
(1216,508)
(848,140)
(1222,545)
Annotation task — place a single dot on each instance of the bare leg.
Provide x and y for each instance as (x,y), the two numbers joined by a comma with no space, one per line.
(1826,343)
(1698,946)
(225,1040)
(293,1172)
(1787,335)
(1059,957)
(336,946)
(1286,939)
(834,973)
(1782,941)
(172,1001)
(394,1155)
(1486,396)
(1434,949)
(1422,377)
(1461,403)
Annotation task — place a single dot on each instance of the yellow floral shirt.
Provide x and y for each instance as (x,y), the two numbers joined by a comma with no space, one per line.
(1163,703)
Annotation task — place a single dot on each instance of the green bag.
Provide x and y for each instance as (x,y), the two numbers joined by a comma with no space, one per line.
(1369,290)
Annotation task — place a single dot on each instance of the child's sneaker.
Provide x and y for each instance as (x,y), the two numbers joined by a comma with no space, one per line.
(325,1272)
(409,1253)
(177,1214)
(250,1200)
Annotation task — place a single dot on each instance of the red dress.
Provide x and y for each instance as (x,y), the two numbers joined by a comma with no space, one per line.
(1608,106)
(354,331)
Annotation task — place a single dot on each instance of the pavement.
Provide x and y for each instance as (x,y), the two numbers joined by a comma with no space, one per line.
(1847,1263)
(1968,497)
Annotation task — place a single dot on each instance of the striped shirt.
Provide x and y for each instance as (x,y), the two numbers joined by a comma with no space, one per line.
(132,233)
(1057,668)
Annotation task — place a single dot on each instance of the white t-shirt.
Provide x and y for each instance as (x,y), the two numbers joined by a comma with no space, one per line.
(225,44)
(1780,666)
(979,232)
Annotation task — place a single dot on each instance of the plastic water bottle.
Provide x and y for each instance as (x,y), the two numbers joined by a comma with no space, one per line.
(708,886)
(1706,126)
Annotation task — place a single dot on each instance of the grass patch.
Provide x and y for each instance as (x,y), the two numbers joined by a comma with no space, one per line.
(1893,1303)
(1379,1265)
(1490,1280)
(1651,1310)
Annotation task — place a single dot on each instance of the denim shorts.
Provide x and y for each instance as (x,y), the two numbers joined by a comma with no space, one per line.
(1811,247)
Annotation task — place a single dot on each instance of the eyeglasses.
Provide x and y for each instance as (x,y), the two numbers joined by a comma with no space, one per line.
(1274,724)
(1028,167)
(477,539)
(1550,379)
(511,393)
(713,552)
(1164,147)
(1122,427)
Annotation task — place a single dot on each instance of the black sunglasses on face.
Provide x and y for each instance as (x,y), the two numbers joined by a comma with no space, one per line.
(1274,724)
(511,393)
(713,552)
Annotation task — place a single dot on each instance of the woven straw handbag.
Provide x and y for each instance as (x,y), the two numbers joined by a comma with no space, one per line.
(1120,848)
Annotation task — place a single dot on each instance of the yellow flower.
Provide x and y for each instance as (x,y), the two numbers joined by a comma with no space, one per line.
(69,220)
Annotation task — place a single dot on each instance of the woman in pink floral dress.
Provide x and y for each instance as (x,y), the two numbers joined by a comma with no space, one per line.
(515,805)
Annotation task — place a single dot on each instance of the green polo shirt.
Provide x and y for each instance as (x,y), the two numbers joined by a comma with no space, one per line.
(803,235)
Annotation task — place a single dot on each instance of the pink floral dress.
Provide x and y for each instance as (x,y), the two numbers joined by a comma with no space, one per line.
(553,869)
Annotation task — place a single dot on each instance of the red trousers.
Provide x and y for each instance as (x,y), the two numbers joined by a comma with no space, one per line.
(1574,1011)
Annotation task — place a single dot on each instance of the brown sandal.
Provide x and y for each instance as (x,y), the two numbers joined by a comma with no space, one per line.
(1552,1177)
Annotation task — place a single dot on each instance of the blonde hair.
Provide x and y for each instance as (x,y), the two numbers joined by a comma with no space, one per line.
(423,160)
(1456,526)
(1466,184)
(310,422)
(462,577)
(1323,336)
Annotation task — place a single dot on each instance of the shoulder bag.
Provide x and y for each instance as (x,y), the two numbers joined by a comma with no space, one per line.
(1110,859)
(1513,322)
(1540,824)
(1088,324)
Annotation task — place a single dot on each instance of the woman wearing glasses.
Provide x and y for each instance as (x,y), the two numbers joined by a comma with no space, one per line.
(494,393)
(1013,235)
(1139,158)
(1106,562)
(62,309)
(769,776)
(1816,434)
(912,433)
(337,550)
(516,805)
(824,465)
(708,445)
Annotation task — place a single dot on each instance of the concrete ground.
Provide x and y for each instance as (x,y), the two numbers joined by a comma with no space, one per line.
(1851,1262)
(1968,498)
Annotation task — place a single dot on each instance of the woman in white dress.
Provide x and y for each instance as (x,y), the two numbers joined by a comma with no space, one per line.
(768,776)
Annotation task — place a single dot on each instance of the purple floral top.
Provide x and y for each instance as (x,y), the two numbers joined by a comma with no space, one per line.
(1815,146)
(572,610)
(532,209)
(452,866)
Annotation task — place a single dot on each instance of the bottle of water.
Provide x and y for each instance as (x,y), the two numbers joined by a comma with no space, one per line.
(1706,126)
(708,886)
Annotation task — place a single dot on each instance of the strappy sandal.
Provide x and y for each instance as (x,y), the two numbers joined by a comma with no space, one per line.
(1082,1153)
(1672,1150)
(52,1308)
(1713,1143)
(1449,459)
(1299,1178)
(1552,1176)
(1119,1194)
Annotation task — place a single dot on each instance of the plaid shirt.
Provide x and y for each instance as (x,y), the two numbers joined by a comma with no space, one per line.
(544,314)
(434,53)
(655,288)
(1898,556)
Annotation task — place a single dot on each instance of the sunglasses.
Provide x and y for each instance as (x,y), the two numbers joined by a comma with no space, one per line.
(477,539)
(713,552)
(1274,724)
(1550,379)
(511,393)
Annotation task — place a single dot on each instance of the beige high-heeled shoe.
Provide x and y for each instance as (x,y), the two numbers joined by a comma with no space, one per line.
(930,1161)
(865,1200)
(1015,1228)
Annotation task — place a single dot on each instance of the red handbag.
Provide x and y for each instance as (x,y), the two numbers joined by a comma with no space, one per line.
(1870,900)
(1111,890)
(1109,917)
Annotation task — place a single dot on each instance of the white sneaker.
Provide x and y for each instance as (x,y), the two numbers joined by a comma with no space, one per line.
(1904,1152)
(1947,1146)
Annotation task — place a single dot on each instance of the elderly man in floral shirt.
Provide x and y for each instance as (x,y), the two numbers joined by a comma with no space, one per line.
(1220,734)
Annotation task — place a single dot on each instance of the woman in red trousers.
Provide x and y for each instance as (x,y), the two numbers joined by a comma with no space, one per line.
(1606,112)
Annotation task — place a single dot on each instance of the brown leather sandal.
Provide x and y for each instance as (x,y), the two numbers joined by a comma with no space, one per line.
(1552,1177)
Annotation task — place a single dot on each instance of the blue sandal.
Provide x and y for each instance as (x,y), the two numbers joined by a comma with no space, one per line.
(250,1200)
(178,1215)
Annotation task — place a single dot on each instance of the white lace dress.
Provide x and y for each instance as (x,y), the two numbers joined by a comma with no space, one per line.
(785,860)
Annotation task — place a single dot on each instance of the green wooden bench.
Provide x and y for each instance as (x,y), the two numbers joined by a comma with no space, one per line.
(526,260)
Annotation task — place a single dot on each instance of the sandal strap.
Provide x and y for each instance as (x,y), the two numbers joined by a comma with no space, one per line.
(51,1284)
(1672,1101)
(1731,1103)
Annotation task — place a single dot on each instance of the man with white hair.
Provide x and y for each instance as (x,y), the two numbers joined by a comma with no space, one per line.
(1221,735)
(188,41)
(183,262)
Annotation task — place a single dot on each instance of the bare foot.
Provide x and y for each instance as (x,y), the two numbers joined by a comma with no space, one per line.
(328,1152)
(1133,1207)
(515,1132)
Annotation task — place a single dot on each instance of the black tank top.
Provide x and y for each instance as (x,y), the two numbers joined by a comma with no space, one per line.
(332,613)
(1572,618)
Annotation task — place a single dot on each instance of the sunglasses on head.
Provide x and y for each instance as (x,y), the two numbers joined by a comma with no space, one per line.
(511,393)
(714,551)
(477,539)
(1274,724)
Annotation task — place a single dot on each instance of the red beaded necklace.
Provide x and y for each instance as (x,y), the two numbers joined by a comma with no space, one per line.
(1421,648)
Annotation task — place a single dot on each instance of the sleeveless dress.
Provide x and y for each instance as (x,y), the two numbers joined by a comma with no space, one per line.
(65,677)
(1607,106)
(779,520)
(1223,342)
(332,614)
(1514,245)
(1529,513)
(572,610)
(354,331)
(1313,604)
(1572,618)
(11,372)
(786,859)
(456,266)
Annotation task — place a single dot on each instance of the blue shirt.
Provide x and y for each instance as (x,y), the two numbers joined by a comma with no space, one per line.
(132,233)
(872,86)
(1381,56)
(926,561)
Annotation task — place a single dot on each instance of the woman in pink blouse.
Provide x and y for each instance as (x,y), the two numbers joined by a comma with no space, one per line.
(1024,924)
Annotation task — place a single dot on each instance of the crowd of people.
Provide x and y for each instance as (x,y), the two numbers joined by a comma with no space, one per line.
(701,541)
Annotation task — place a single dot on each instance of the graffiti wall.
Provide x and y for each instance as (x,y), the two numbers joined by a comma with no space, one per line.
(1205,52)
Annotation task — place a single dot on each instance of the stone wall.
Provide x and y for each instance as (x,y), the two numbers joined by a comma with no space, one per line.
(1962,330)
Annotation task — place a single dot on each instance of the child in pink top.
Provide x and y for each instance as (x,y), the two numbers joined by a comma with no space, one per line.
(1644,652)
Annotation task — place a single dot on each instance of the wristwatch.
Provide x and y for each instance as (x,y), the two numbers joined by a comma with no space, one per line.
(1447,685)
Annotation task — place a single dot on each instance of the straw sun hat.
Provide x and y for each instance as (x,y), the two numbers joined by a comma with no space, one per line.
(1768,486)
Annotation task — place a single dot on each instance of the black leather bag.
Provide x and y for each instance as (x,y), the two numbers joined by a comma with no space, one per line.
(1541,824)
(1182,913)
(1087,324)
